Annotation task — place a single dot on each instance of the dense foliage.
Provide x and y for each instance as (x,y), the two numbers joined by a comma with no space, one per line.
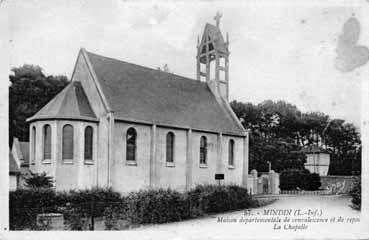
(29,91)
(279,131)
(355,193)
(297,179)
(145,206)
(36,180)
(84,204)
(25,204)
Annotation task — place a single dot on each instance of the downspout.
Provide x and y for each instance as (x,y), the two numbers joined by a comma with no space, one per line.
(110,146)
(245,171)
(97,153)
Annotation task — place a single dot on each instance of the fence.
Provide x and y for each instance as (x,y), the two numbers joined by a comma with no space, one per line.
(302,192)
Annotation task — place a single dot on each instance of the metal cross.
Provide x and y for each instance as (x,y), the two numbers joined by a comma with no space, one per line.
(217,18)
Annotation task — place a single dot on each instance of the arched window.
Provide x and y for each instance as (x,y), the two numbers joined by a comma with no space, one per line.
(231,152)
(170,147)
(67,151)
(88,142)
(33,144)
(203,150)
(131,144)
(47,142)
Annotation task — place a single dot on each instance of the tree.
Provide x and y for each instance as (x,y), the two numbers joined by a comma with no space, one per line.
(279,130)
(294,179)
(29,91)
(39,181)
(355,193)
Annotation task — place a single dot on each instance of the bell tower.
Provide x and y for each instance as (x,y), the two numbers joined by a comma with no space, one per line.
(213,59)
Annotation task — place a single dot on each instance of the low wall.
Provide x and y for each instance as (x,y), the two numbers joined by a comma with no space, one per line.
(337,184)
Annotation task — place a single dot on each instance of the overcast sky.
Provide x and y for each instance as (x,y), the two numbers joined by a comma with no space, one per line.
(278,52)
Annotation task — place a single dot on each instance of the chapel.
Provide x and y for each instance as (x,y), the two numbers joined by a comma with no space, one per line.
(130,127)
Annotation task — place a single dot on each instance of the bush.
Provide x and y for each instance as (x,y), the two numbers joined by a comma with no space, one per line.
(355,193)
(294,179)
(214,199)
(79,205)
(25,204)
(143,207)
(155,206)
(39,181)
(161,206)
(311,181)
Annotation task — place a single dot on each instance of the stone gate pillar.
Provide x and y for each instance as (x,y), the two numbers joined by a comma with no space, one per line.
(273,182)
(254,181)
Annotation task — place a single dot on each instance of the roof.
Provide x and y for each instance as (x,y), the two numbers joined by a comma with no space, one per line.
(314,149)
(140,93)
(216,36)
(70,103)
(24,147)
(13,167)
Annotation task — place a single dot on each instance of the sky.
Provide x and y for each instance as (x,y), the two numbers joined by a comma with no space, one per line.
(279,50)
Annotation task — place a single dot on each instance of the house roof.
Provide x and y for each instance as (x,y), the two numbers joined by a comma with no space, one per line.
(140,93)
(13,167)
(24,148)
(70,103)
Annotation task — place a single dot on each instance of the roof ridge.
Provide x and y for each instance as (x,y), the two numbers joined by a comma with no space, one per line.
(145,67)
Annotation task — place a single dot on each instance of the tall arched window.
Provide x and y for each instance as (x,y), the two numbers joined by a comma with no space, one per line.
(231,152)
(203,150)
(170,147)
(33,144)
(67,151)
(47,142)
(131,139)
(88,142)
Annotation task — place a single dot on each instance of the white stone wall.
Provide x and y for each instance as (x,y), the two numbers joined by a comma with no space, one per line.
(128,177)
(41,165)
(13,182)
(166,174)
(233,174)
(67,175)
(204,174)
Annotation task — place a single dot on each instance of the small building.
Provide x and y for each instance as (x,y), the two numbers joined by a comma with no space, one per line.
(317,160)
(20,152)
(14,173)
(130,127)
